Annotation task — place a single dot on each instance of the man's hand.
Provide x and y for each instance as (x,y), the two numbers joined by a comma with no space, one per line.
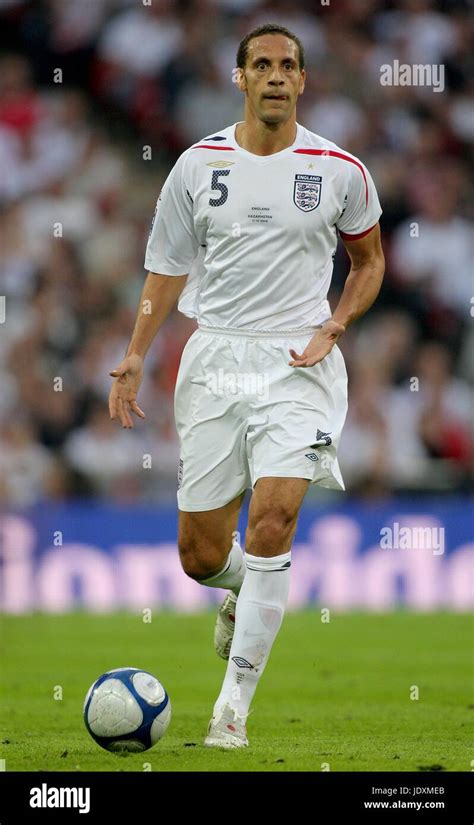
(122,398)
(320,345)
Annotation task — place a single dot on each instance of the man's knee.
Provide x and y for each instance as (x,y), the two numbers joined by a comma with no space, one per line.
(199,561)
(271,528)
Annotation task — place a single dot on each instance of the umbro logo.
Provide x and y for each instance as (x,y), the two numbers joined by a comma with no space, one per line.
(322,439)
(240,662)
(221,164)
(312,456)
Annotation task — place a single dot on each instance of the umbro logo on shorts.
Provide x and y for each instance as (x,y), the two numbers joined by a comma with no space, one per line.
(312,456)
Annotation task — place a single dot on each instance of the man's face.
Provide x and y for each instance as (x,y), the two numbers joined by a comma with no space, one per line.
(272,78)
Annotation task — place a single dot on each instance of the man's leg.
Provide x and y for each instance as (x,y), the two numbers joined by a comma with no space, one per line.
(261,604)
(204,541)
(207,550)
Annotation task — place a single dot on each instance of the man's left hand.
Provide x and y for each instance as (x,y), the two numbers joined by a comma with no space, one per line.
(320,345)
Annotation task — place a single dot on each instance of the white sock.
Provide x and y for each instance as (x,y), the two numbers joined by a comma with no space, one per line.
(259,614)
(232,574)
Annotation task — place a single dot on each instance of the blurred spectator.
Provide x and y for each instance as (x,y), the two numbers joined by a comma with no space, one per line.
(204,105)
(422,34)
(332,114)
(433,250)
(24,464)
(367,467)
(140,40)
(103,451)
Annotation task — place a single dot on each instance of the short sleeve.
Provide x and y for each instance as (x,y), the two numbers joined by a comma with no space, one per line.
(362,207)
(172,243)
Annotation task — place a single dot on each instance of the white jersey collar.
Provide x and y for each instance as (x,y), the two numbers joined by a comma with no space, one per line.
(262,158)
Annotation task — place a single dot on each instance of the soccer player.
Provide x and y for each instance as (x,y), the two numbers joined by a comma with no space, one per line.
(252,214)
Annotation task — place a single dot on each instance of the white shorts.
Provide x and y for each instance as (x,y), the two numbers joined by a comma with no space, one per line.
(242,413)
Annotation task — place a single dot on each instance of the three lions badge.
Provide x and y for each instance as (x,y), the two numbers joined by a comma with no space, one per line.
(307,192)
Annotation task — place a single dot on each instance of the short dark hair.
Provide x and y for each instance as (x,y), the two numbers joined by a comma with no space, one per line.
(268,28)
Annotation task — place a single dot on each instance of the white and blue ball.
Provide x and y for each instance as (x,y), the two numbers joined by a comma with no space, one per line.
(127,710)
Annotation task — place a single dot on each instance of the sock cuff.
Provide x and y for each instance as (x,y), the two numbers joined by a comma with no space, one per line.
(273,564)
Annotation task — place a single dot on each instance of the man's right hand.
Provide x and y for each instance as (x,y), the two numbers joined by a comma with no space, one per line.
(123,395)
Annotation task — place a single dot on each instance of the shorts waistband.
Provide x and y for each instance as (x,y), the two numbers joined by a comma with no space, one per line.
(260,333)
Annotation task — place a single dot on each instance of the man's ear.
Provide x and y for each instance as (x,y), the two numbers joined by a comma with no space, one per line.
(302,82)
(240,80)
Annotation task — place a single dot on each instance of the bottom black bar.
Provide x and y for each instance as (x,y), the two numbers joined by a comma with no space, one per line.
(133,797)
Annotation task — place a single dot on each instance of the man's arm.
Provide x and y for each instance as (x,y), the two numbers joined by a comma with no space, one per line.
(159,296)
(364,280)
(360,291)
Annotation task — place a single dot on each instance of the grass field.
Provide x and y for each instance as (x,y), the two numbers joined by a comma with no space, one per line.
(334,696)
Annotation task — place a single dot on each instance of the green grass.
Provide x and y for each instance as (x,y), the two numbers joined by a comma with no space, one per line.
(335,693)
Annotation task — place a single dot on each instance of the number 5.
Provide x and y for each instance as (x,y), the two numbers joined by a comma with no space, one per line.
(216,184)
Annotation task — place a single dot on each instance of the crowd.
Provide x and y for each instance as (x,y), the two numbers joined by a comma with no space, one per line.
(97,100)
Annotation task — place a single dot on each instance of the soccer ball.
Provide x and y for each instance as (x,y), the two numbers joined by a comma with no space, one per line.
(127,709)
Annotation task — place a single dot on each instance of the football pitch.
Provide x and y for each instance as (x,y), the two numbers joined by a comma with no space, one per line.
(362,692)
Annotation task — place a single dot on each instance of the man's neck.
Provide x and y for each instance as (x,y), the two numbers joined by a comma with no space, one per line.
(265,139)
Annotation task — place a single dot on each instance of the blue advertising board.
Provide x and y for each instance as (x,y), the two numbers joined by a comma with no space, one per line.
(103,557)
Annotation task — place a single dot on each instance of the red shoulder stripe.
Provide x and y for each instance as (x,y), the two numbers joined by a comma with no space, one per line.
(330,153)
(205,146)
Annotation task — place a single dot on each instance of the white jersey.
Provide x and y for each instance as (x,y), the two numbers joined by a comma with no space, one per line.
(257,234)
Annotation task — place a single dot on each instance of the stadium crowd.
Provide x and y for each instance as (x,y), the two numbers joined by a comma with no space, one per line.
(97,100)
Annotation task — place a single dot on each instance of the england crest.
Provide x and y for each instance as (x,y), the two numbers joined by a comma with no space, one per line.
(307,192)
